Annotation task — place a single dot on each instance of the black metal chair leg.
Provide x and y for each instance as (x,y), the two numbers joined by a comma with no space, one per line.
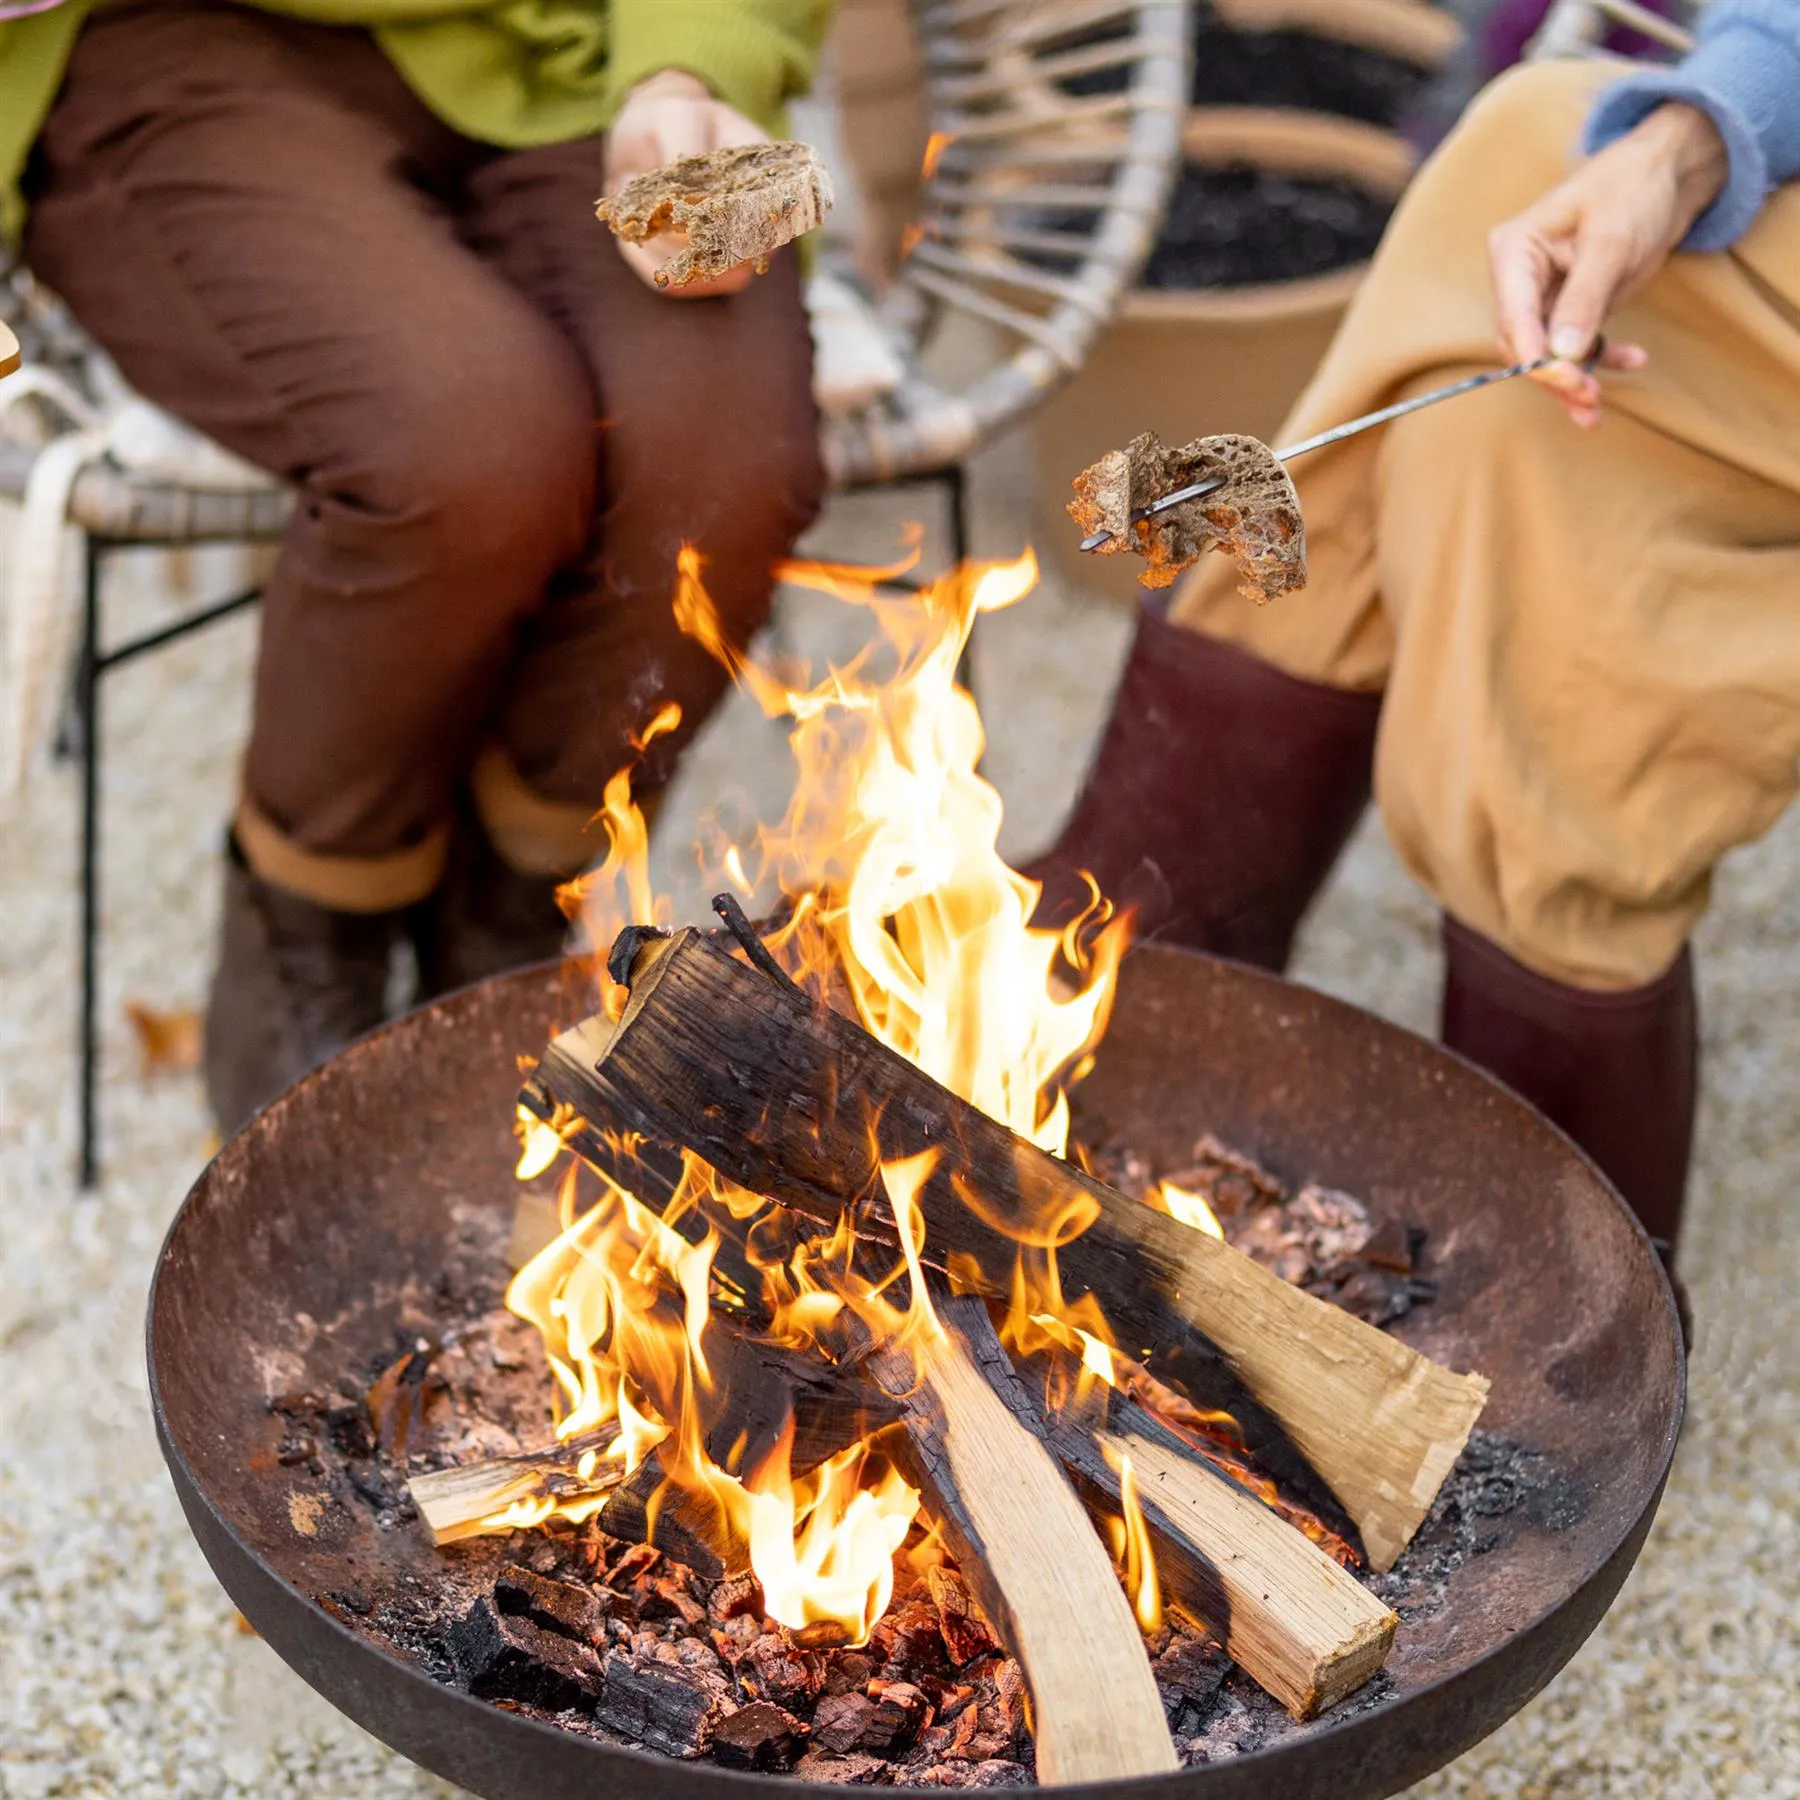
(88,706)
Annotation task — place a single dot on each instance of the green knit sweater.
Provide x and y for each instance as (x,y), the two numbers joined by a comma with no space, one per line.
(504,72)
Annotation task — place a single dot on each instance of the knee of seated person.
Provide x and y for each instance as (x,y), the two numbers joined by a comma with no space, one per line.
(734,492)
(479,471)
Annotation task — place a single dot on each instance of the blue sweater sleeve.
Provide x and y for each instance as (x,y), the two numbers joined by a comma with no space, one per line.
(1744,72)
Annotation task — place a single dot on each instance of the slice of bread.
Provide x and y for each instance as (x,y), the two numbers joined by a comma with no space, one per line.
(733,205)
(1254,517)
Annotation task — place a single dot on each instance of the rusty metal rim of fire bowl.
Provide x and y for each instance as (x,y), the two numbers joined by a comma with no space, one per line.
(1545,1282)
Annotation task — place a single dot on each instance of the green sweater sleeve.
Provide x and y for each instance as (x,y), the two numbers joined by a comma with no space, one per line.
(755,55)
(33,55)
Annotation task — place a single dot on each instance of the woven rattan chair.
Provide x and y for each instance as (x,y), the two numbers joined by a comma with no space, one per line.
(1580,27)
(1056,132)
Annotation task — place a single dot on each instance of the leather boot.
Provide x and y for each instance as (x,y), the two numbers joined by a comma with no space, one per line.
(295,983)
(1617,1070)
(1219,799)
(484,919)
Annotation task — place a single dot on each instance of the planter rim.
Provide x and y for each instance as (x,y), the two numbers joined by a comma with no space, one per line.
(1255,302)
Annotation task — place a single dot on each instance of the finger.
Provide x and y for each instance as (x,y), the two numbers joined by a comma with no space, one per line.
(1520,275)
(733,281)
(1624,356)
(1599,268)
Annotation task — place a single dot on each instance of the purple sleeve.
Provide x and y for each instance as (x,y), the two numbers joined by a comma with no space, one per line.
(1744,73)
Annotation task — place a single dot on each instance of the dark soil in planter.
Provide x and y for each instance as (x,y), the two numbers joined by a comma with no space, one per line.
(1295,68)
(1227,227)
(1288,67)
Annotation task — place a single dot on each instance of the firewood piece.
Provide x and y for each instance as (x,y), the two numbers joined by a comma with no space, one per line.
(663,1704)
(965,1632)
(805,1049)
(1300,1625)
(736,205)
(759,1736)
(647,1508)
(780,1096)
(501,1657)
(1024,1542)
(577,1613)
(453,1502)
(1254,515)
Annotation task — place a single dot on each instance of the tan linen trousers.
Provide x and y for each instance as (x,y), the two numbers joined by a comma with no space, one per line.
(1589,642)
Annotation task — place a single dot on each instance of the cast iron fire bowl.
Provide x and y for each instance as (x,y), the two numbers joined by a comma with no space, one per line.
(285,1266)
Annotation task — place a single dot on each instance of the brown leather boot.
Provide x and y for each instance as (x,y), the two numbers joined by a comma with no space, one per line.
(295,983)
(484,919)
(1219,799)
(1618,1070)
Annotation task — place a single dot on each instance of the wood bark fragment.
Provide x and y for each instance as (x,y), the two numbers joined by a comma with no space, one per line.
(1024,1541)
(801,1104)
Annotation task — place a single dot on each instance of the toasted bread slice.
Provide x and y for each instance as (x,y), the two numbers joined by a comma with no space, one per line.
(733,205)
(1254,517)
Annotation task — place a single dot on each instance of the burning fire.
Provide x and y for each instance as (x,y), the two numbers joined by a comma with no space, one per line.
(896,905)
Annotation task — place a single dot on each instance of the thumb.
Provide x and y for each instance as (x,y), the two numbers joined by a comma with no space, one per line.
(1592,284)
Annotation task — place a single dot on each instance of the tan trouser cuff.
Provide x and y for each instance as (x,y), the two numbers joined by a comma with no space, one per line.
(534,836)
(352,884)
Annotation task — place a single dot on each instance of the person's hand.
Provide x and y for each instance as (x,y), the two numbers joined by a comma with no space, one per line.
(669,115)
(1562,265)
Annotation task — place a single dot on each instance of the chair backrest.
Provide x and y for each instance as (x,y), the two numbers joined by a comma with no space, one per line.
(1579,27)
(1055,135)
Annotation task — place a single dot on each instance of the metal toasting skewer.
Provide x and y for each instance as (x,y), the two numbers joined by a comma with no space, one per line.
(1199,489)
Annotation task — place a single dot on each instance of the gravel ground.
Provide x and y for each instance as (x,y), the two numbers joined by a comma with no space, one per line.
(121,1670)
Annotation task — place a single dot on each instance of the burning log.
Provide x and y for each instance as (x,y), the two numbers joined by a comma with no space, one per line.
(1025,1543)
(1303,1627)
(453,1502)
(791,1100)
(758,1389)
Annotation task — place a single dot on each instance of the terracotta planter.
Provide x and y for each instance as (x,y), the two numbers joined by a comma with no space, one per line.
(1227,359)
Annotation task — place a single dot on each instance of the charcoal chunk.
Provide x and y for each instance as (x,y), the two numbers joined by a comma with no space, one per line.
(1188,1676)
(503,1657)
(841,1720)
(901,1713)
(663,1705)
(558,1606)
(759,1736)
(856,1770)
(966,1633)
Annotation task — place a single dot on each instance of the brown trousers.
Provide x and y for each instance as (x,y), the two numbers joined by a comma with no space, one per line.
(1589,642)
(500,438)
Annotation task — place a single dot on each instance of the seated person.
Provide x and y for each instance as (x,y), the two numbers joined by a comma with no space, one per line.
(1569,657)
(354,241)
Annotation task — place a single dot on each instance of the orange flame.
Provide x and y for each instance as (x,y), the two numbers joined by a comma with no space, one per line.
(1132,1546)
(899,906)
(935,146)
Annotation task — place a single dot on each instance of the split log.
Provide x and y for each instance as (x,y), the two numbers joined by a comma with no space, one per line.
(1300,1625)
(1025,1544)
(796,1102)
(452,1502)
